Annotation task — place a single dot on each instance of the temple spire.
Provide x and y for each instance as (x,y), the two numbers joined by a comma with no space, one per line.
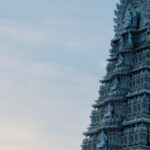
(131,13)
(120,119)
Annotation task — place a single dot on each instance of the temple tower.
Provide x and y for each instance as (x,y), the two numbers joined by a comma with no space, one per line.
(120,119)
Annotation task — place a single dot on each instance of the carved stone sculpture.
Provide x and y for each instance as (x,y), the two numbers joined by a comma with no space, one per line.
(112,51)
(115,85)
(129,41)
(109,111)
(121,61)
(103,139)
(135,19)
(121,44)
(127,22)
(146,98)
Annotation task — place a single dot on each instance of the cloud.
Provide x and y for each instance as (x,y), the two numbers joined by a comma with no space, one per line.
(46,104)
(48,71)
(19,33)
(17,133)
(58,40)
(58,33)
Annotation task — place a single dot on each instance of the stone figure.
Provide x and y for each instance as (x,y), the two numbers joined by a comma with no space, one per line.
(135,19)
(112,49)
(130,41)
(121,61)
(103,139)
(146,98)
(85,140)
(127,21)
(109,111)
(121,47)
(148,29)
(115,85)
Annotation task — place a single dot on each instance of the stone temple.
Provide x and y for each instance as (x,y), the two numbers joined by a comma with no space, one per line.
(120,119)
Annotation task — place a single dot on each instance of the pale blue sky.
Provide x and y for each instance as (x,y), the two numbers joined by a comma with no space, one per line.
(52,55)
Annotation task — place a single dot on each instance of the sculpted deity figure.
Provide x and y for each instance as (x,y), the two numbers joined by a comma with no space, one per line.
(121,47)
(135,19)
(115,85)
(121,61)
(112,49)
(103,139)
(130,41)
(127,22)
(109,111)
(146,98)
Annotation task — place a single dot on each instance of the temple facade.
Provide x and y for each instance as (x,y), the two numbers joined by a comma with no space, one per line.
(120,119)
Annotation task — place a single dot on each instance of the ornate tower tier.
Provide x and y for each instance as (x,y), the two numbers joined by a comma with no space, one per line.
(120,119)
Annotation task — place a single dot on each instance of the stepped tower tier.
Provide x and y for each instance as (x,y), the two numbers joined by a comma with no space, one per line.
(120,119)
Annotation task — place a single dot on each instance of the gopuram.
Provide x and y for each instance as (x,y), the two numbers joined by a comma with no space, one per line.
(120,119)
